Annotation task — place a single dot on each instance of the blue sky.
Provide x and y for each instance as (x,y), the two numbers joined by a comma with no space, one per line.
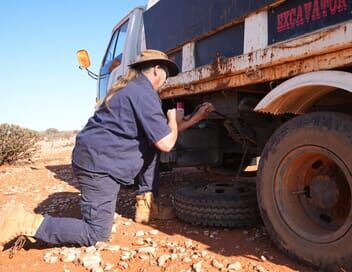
(40,84)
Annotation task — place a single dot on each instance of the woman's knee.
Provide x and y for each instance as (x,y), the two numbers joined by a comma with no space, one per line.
(101,234)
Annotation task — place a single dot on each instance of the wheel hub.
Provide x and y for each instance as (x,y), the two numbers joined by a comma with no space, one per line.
(313,192)
(324,192)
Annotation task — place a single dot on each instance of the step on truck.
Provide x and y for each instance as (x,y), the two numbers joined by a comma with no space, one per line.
(279,74)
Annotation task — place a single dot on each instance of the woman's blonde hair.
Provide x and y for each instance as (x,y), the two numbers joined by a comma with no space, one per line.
(120,84)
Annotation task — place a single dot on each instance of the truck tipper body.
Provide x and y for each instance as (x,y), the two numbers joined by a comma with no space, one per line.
(279,74)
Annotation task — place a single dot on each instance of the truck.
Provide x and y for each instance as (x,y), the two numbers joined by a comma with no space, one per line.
(279,74)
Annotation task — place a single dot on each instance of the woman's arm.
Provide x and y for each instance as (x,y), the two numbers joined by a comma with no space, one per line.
(191,120)
(167,143)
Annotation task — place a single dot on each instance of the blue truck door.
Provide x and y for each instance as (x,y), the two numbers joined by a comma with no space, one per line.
(113,58)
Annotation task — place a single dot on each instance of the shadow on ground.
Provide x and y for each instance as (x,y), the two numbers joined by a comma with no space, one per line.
(63,172)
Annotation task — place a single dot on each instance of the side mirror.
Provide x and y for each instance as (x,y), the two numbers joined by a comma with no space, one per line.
(83,58)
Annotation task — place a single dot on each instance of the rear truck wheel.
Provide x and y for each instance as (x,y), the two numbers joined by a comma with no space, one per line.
(218,204)
(305,187)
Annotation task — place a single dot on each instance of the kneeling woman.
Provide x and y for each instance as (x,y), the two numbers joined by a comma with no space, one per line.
(120,143)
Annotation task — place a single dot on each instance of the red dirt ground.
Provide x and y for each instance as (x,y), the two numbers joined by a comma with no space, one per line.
(46,185)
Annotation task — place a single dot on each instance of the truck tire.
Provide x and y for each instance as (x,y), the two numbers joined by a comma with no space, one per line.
(305,186)
(218,204)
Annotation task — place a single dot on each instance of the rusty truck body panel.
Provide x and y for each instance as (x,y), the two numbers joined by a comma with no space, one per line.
(325,50)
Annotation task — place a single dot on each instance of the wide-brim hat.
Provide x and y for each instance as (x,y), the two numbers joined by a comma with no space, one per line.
(149,56)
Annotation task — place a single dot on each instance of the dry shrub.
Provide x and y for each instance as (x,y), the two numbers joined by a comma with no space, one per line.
(52,134)
(16,143)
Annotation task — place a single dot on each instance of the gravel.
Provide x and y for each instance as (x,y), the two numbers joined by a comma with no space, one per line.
(163,259)
(234,266)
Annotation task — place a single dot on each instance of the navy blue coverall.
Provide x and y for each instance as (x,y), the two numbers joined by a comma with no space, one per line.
(114,148)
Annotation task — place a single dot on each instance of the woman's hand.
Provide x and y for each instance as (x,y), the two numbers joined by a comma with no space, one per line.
(204,110)
(171,115)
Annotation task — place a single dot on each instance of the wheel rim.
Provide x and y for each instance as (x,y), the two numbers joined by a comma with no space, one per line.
(312,192)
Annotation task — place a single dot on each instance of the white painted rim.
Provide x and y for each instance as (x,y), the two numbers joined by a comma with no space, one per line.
(336,79)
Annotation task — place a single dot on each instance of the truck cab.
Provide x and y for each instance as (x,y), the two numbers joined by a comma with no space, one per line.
(124,46)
